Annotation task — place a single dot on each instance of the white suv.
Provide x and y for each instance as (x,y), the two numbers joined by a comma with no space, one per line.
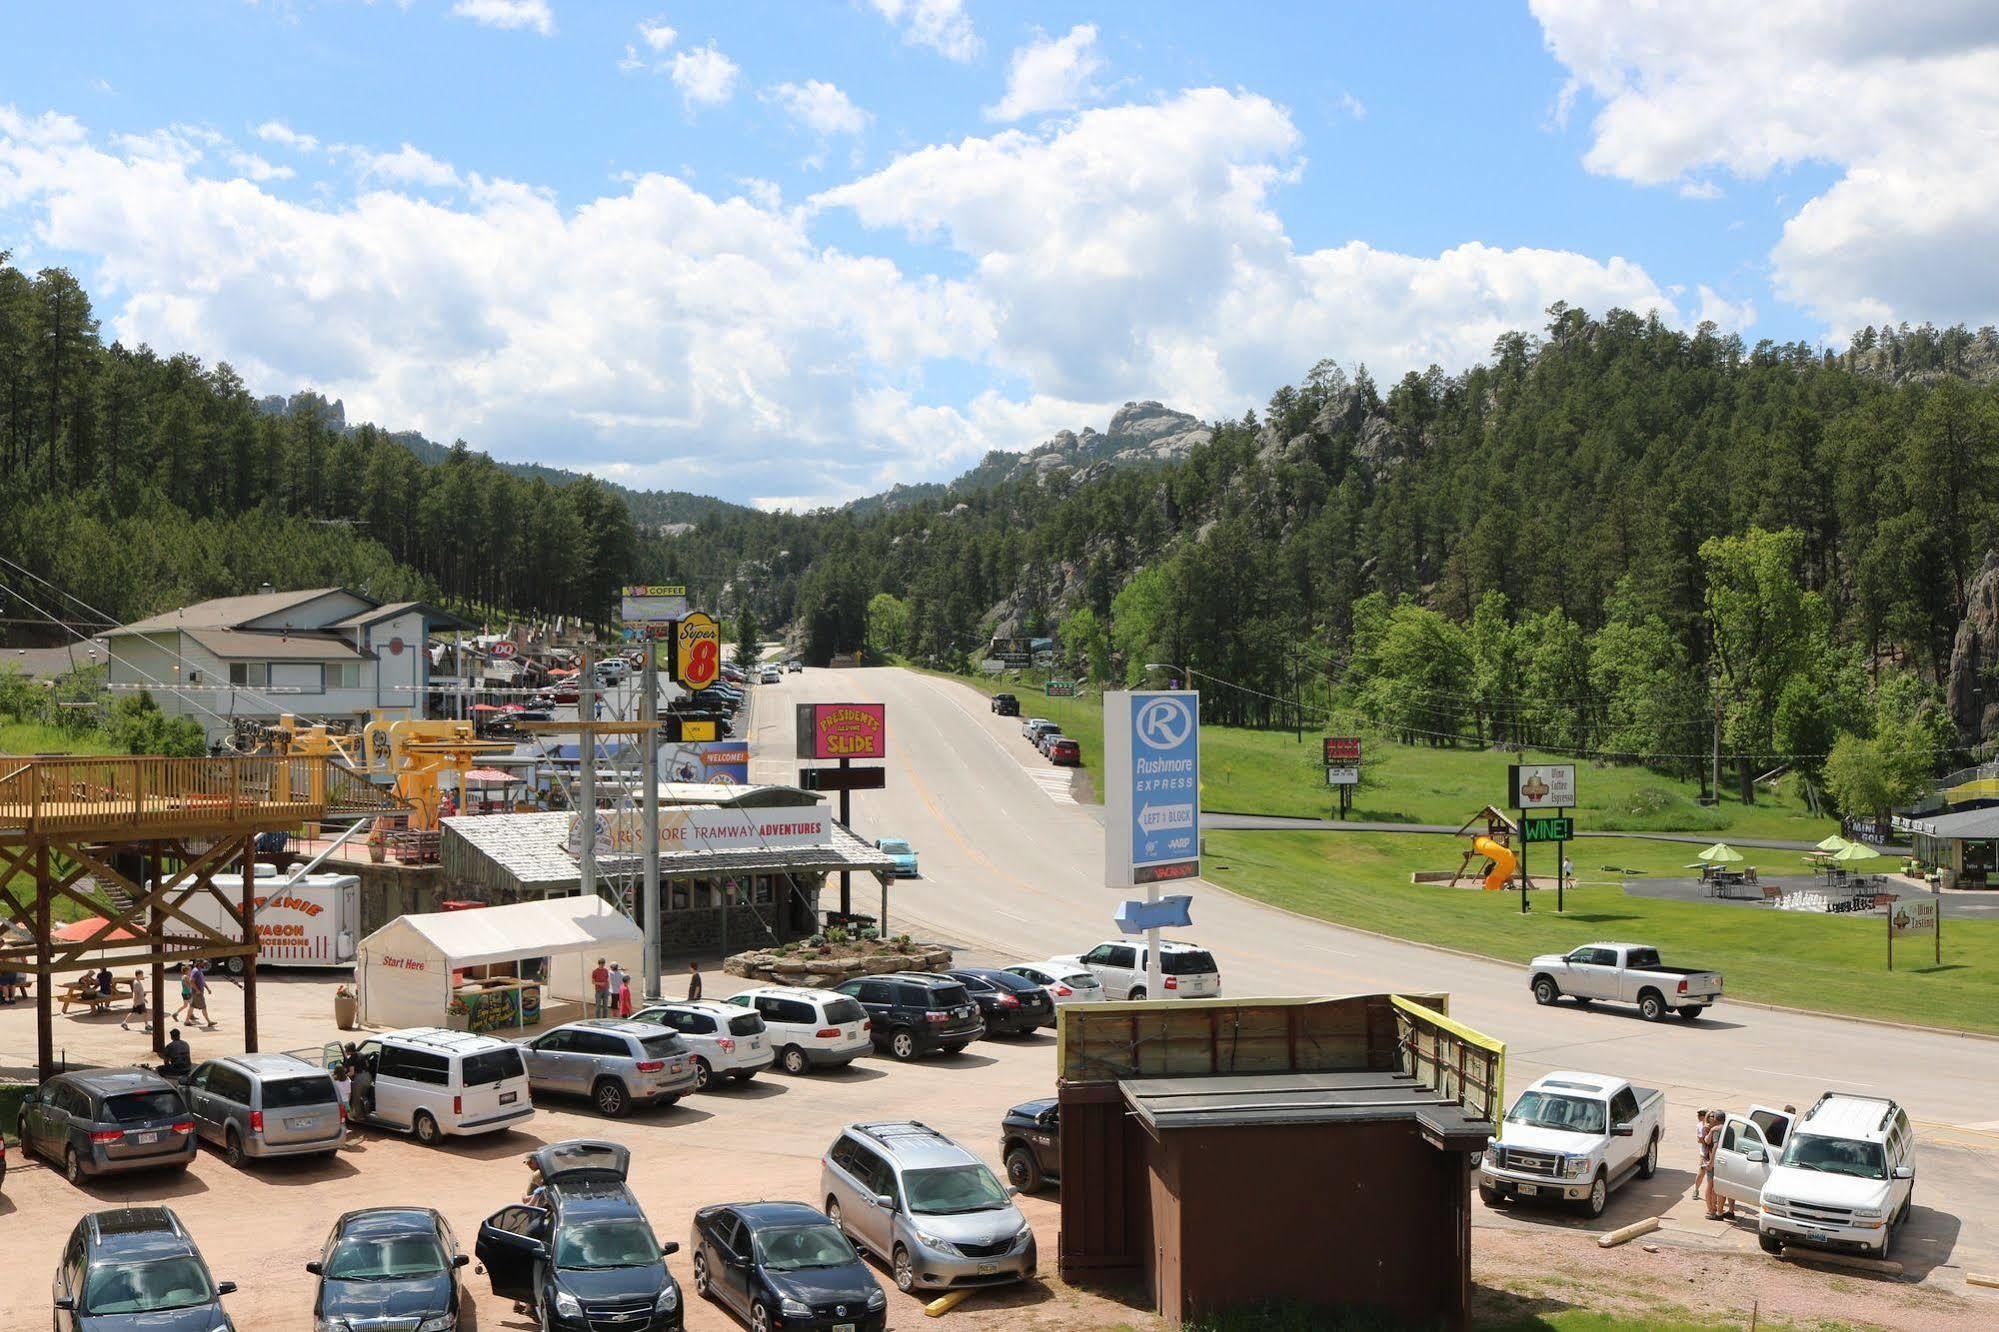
(727,1042)
(809,1028)
(433,1082)
(1186,972)
(1840,1176)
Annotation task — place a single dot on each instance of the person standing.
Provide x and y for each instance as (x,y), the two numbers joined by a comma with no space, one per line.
(198,995)
(343,1090)
(138,1004)
(186,993)
(1710,1143)
(693,980)
(615,992)
(600,985)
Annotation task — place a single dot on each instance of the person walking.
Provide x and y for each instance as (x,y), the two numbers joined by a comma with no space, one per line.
(186,993)
(615,992)
(198,995)
(693,980)
(600,985)
(138,1004)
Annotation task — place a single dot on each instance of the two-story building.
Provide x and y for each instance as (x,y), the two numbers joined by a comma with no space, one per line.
(323,654)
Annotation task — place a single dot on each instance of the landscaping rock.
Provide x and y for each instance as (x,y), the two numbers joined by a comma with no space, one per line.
(820,966)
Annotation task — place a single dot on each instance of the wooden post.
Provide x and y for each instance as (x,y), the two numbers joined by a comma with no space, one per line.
(45,1036)
(250,938)
(151,880)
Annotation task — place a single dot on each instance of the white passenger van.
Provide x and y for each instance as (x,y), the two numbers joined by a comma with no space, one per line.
(434,1083)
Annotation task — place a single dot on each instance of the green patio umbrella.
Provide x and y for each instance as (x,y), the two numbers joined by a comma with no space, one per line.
(1834,843)
(1856,851)
(1721,853)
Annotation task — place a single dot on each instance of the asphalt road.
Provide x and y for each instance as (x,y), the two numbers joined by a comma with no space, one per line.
(1012,867)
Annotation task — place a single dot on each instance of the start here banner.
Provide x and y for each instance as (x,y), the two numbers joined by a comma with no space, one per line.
(842,730)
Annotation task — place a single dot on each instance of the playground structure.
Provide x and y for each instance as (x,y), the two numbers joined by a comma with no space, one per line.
(1494,844)
(133,840)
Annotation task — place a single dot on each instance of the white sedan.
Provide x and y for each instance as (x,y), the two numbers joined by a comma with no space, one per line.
(1066,982)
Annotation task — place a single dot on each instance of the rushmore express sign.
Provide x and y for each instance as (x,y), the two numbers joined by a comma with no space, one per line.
(842,731)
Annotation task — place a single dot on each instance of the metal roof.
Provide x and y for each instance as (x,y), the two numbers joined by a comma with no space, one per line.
(1967,825)
(228,612)
(433,615)
(1269,1099)
(258,645)
(534,849)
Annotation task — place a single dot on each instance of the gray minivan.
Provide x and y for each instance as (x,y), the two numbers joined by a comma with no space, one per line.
(260,1105)
(102,1121)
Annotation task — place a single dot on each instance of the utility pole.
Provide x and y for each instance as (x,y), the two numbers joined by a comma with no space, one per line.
(586,772)
(1716,771)
(649,714)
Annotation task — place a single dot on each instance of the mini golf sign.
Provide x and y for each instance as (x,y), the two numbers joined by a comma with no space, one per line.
(1541,785)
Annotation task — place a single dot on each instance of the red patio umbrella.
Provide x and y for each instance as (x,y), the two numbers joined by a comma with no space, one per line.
(490,777)
(91,929)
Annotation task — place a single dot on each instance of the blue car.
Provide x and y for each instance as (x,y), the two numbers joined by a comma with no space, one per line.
(903,854)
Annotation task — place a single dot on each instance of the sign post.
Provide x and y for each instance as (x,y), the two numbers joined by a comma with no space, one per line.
(844,731)
(1916,917)
(1152,807)
(1536,788)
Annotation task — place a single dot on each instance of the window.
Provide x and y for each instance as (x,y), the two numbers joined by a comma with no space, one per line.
(230,1084)
(843,1011)
(792,1010)
(680,897)
(139,1107)
(251,674)
(749,1024)
(1623,1107)
(426,1066)
(1100,955)
(286,1093)
(662,1047)
(556,1042)
(1186,962)
(1121,955)
(876,992)
(726,1232)
(764,892)
(494,1066)
(601,1043)
(344,675)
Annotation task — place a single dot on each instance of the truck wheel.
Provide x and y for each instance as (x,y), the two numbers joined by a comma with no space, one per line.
(1545,990)
(1488,1195)
(1652,1006)
(1769,1243)
(1650,1166)
(1023,1171)
(1599,1196)
(235,966)
(1689,1011)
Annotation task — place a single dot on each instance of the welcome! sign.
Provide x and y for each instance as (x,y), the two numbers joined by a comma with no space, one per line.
(842,730)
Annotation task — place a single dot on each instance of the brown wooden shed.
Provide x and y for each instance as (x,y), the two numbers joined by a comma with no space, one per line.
(1232,1152)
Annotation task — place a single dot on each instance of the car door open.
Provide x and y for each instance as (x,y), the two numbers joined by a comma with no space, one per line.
(1742,1161)
(513,1243)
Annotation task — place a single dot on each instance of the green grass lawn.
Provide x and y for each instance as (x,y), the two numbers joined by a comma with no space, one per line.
(1831,963)
(1274,772)
(18,737)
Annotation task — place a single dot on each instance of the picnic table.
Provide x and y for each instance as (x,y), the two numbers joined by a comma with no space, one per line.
(86,993)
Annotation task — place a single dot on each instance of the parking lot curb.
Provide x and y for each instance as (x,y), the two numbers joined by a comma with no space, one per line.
(1500,961)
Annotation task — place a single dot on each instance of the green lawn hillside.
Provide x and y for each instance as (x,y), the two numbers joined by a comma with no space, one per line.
(1834,963)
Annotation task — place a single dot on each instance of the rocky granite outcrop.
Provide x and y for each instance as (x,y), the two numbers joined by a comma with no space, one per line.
(1974,658)
(819,966)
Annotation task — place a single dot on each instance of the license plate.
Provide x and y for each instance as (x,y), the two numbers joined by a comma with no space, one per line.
(756,1042)
(843,1327)
(145,1137)
(1527,1190)
(508,1098)
(987,1269)
(300,1124)
(1819,1236)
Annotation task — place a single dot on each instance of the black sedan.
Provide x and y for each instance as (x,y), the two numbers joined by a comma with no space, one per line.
(784,1265)
(135,1269)
(1011,1005)
(389,1267)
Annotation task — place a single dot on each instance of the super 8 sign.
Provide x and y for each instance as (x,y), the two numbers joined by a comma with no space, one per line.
(697,651)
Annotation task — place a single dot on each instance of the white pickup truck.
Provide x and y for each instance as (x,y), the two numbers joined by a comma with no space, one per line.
(1573,1137)
(1622,973)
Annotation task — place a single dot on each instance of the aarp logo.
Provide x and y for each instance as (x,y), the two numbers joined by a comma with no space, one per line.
(1164,723)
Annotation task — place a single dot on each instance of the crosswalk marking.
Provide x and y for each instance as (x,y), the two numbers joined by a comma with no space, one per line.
(1054,783)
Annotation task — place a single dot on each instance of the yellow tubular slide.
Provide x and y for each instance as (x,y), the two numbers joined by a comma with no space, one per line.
(1502,862)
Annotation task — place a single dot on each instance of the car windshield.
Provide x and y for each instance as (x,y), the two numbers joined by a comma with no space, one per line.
(1571,1114)
(613,1242)
(287,1093)
(138,1107)
(843,1010)
(945,1190)
(791,1248)
(163,1283)
(895,846)
(385,1258)
(1835,1156)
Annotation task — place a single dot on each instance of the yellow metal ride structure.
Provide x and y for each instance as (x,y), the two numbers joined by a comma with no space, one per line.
(412,756)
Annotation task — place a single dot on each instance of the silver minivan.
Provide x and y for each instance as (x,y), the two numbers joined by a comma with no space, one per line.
(259,1105)
(925,1206)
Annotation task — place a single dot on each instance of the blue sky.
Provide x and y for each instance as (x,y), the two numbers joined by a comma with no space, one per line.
(790,252)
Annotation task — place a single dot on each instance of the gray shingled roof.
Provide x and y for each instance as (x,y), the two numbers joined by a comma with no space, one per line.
(226,612)
(257,645)
(532,848)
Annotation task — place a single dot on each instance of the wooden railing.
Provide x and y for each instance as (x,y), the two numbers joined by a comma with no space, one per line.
(142,796)
(1455,1060)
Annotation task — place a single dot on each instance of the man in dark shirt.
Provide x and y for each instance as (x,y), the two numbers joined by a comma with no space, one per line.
(176,1060)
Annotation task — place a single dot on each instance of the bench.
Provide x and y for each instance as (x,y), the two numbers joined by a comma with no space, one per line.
(96,1000)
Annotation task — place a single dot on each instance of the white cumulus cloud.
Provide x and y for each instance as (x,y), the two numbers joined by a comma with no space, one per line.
(508,14)
(408,165)
(820,107)
(1902,100)
(1050,74)
(941,25)
(656,34)
(704,76)
(276,131)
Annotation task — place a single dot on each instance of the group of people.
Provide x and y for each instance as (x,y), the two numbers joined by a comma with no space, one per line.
(612,987)
(1711,1133)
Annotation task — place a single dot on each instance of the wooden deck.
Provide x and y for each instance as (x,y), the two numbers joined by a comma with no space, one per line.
(126,799)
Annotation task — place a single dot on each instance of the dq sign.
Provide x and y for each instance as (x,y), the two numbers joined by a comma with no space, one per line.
(842,731)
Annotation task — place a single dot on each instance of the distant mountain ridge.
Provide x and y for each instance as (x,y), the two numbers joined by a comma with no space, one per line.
(1139,434)
(656,510)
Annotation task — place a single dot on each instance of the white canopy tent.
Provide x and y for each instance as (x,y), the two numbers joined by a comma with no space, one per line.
(404,969)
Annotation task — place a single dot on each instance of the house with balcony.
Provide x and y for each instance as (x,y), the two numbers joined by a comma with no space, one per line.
(324,654)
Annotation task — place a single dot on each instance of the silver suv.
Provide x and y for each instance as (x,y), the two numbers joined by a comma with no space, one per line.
(926,1207)
(616,1062)
(258,1105)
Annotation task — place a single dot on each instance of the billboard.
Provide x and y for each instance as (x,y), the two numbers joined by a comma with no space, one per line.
(651,604)
(1541,785)
(621,832)
(726,762)
(697,651)
(842,730)
(1152,775)
(1342,751)
(1912,916)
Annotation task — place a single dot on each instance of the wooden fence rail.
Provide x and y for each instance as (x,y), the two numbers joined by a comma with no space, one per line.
(144,796)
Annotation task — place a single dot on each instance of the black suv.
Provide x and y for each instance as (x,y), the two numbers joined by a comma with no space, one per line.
(581,1253)
(136,1267)
(1006,705)
(915,1012)
(1011,1005)
(1031,1144)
